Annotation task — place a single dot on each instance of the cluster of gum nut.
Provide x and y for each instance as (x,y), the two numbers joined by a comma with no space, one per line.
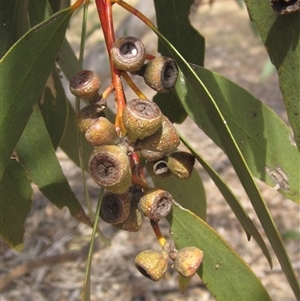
(148,133)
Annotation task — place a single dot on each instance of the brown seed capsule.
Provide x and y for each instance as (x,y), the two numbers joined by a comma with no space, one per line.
(134,221)
(181,164)
(152,264)
(187,261)
(85,84)
(164,140)
(109,166)
(102,132)
(156,203)
(86,117)
(141,118)
(159,169)
(161,74)
(115,208)
(128,54)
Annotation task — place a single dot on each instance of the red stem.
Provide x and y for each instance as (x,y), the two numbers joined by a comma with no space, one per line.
(105,14)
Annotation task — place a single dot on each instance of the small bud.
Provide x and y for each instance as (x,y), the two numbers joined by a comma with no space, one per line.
(141,118)
(187,261)
(102,132)
(152,264)
(86,117)
(151,156)
(164,140)
(85,84)
(156,203)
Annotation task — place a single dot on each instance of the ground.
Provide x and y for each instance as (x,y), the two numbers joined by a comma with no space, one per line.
(52,264)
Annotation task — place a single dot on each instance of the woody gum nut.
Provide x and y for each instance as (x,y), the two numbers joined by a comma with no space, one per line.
(115,208)
(151,156)
(152,264)
(187,261)
(102,132)
(164,140)
(85,84)
(128,53)
(109,166)
(181,164)
(159,169)
(161,74)
(156,204)
(134,221)
(141,118)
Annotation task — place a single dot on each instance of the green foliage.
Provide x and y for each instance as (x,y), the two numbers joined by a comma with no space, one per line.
(254,138)
(222,268)
(280,34)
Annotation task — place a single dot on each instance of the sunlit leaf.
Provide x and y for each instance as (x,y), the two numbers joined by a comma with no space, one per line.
(257,130)
(280,34)
(36,153)
(232,201)
(15,204)
(237,160)
(222,268)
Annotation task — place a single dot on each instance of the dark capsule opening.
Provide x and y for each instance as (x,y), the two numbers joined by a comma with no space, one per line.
(169,74)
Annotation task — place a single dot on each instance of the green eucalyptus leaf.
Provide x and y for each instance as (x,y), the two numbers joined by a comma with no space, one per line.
(36,153)
(232,201)
(69,143)
(24,70)
(67,60)
(280,34)
(54,107)
(223,271)
(15,204)
(14,23)
(38,11)
(189,193)
(260,134)
(170,106)
(235,156)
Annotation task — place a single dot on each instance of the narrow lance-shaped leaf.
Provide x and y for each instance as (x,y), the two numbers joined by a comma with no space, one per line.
(24,70)
(69,143)
(36,153)
(54,107)
(280,34)
(235,156)
(222,268)
(232,201)
(15,204)
(257,130)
